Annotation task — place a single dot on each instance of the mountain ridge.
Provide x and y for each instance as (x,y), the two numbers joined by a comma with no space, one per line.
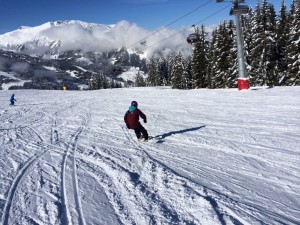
(48,36)
(68,45)
(65,35)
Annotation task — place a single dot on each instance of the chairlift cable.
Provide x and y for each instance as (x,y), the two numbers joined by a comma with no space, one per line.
(181,31)
(170,23)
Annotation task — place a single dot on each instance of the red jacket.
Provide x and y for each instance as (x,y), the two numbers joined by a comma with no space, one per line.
(132,116)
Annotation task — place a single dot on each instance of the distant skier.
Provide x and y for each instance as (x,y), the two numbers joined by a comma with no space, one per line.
(12,100)
(131,119)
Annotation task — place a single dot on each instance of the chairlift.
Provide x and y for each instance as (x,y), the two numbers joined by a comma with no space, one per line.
(239,9)
(193,38)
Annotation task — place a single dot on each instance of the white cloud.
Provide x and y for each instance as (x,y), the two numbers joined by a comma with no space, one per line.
(77,35)
(123,34)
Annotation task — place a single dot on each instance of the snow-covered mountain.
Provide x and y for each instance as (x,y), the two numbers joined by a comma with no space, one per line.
(68,53)
(59,35)
(72,51)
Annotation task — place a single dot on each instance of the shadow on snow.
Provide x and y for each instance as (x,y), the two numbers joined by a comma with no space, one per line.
(165,135)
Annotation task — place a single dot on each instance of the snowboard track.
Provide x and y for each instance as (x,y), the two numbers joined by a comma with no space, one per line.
(219,201)
(70,152)
(21,174)
(18,135)
(133,185)
(144,148)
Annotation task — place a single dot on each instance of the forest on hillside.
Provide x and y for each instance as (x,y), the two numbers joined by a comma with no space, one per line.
(272,53)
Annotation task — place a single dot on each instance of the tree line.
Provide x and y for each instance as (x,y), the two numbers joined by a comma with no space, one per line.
(272,47)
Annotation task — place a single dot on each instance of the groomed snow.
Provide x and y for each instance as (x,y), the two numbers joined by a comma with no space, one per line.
(222,157)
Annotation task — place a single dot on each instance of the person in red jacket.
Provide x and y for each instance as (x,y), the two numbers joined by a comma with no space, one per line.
(131,119)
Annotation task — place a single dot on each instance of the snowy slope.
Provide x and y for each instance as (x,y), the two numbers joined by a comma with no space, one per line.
(16,81)
(224,157)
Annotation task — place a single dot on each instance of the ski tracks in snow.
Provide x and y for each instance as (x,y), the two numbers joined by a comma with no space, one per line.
(25,171)
(66,194)
(224,176)
(145,191)
(60,167)
(139,188)
(70,195)
(27,139)
(211,201)
(21,174)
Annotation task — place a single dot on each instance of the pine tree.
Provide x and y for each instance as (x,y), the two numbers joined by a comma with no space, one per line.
(178,73)
(103,82)
(98,81)
(93,85)
(246,23)
(170,60)
(293,77)
(232,71)
(162,72)
(212,59)
(188,74)
(199,60)
(263,67)
(139,81)
(282,40)
(152,72)
(256,73)
(216,79)
(223,66)
(159,77)
(270,43)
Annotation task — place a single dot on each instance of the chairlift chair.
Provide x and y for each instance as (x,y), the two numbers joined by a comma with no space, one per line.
(241,9)
(193,38)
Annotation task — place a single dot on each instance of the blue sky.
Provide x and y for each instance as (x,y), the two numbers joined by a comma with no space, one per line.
(148,14)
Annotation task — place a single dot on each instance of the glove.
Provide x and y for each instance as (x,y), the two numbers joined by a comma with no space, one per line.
(128,126)
(145,120)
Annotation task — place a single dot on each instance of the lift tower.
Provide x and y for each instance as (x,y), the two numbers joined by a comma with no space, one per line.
(238,10)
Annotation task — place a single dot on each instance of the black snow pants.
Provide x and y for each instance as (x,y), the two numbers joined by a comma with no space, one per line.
(139,131)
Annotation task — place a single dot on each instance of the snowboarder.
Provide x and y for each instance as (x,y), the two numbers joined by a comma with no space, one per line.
(12,99)
(131,119)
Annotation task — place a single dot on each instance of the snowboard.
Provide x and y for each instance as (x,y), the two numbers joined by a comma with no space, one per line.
(151,139)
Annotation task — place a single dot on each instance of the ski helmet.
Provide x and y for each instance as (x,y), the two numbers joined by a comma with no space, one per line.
(134,103)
